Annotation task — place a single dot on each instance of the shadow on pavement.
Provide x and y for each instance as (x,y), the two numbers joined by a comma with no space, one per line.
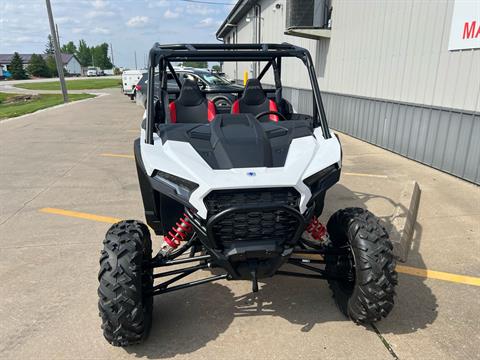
(415,305)
(187,320)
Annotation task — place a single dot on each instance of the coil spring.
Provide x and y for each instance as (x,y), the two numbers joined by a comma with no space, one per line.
(316,229)
(180,233)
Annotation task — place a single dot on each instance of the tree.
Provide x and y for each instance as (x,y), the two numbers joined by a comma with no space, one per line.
(16,67)
(38,67)
(84,55)
(196,64)
(217,68)
(100,56)
(51,65)
(49,48)
(69,48)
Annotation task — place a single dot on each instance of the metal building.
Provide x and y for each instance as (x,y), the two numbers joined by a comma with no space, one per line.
(403,75)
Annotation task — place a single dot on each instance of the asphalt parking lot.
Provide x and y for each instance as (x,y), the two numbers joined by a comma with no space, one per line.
(68,172)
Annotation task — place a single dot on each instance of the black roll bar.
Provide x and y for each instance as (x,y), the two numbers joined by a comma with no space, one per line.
(316,96)
(150,93)
(264,70)
(163,55)
(174,74)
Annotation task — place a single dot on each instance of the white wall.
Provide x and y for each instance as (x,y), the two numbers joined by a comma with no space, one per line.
(294,73)
(395,50)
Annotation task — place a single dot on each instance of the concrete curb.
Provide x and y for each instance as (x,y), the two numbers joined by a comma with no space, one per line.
(403,220)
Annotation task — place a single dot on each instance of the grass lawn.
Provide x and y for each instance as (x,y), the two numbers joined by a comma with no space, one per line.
(12,105)
(84,84)
(5,96)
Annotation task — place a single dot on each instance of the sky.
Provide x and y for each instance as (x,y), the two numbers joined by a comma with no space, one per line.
(129,25)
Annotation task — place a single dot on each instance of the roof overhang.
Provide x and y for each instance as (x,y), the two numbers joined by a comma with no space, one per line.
(241,8)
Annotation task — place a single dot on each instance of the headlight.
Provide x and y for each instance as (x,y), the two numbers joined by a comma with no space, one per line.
(181,186)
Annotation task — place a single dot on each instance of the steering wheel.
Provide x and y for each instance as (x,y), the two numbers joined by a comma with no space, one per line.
(219,99)
(271,112)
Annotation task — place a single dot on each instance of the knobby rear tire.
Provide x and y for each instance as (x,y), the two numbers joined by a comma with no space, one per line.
(124,303)
(369,296)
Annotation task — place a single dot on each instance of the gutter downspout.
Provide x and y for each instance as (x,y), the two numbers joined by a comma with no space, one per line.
(258,24)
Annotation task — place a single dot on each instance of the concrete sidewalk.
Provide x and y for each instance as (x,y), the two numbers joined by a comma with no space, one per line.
(50,262)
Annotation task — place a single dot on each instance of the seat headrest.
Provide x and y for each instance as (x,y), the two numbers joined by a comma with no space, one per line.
(190,94)
(253,93)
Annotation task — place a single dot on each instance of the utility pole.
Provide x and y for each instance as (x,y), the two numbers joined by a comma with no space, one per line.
(58,57)
(58,35)
(111,49)
(135,53)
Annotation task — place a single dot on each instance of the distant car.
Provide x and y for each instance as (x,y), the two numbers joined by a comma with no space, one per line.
(130,78)
(223,76)
(204,78)
(92,71)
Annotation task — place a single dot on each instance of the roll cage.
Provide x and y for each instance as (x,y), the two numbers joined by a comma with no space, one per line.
(162,56)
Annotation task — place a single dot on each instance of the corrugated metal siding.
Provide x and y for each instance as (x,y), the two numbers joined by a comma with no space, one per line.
(398,50)
(446,139)
(388,78)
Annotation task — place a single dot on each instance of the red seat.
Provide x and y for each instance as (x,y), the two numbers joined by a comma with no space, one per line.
(254,101)
(191,106)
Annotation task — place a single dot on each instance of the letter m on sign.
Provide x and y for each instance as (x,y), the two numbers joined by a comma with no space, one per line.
(469,30)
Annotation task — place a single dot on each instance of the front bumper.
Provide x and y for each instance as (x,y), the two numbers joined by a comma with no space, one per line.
(242,256)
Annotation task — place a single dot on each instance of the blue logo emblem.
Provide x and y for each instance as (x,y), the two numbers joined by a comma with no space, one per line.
(251,173)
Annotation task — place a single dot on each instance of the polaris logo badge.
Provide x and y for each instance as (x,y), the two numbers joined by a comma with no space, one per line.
(251,173)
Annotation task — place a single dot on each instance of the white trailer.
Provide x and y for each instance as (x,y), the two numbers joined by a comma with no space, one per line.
(130,78)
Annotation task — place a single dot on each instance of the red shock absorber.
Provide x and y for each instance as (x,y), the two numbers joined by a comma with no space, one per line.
(315,233)
(316,229)
(178,233)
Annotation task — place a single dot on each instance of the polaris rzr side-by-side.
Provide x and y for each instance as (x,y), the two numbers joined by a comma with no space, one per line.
(241,192)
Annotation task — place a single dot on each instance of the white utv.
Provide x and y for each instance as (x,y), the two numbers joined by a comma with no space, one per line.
(240,191)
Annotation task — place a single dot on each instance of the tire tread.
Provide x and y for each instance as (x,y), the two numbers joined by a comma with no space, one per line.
(375,277)
(123,306)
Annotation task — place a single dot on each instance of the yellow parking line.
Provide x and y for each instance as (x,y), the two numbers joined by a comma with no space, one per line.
(365,175)
(424,273)
(81,215)
(439,275)
(118,155)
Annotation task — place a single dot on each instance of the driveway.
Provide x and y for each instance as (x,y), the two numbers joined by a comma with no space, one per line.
(68,172)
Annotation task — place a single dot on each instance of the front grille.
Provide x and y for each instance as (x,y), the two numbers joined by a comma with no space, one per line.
(274,224)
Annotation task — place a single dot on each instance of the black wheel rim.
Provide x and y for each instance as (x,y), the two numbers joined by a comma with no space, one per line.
(345,271)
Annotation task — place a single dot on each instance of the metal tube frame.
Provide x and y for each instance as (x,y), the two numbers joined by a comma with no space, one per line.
(178,274)
(162,55)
